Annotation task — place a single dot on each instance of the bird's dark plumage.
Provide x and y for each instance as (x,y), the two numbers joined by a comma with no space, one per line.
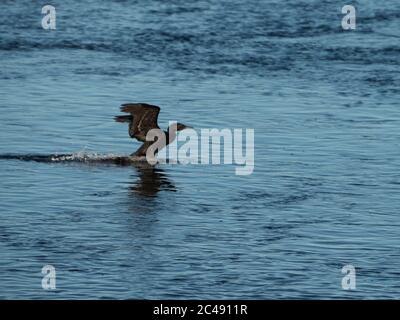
(143,118)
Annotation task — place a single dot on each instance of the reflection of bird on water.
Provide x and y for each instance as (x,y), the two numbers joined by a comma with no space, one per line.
(151,180)
(142,119)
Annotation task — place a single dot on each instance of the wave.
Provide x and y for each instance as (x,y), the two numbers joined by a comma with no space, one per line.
(79,157)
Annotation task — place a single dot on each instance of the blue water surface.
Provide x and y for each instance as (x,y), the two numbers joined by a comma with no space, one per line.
(324,104)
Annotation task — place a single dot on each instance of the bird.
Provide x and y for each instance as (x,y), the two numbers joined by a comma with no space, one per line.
(143,118)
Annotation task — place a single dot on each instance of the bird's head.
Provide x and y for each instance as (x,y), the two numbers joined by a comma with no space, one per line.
(180,127)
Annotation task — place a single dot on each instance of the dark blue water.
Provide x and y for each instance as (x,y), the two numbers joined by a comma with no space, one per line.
(324,104)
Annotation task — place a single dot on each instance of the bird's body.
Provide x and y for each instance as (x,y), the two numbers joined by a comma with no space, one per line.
(143,118)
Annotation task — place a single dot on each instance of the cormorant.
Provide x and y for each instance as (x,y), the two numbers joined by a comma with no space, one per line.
(143,118)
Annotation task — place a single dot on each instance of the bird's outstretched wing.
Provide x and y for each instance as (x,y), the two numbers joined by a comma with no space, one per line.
(143,118)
